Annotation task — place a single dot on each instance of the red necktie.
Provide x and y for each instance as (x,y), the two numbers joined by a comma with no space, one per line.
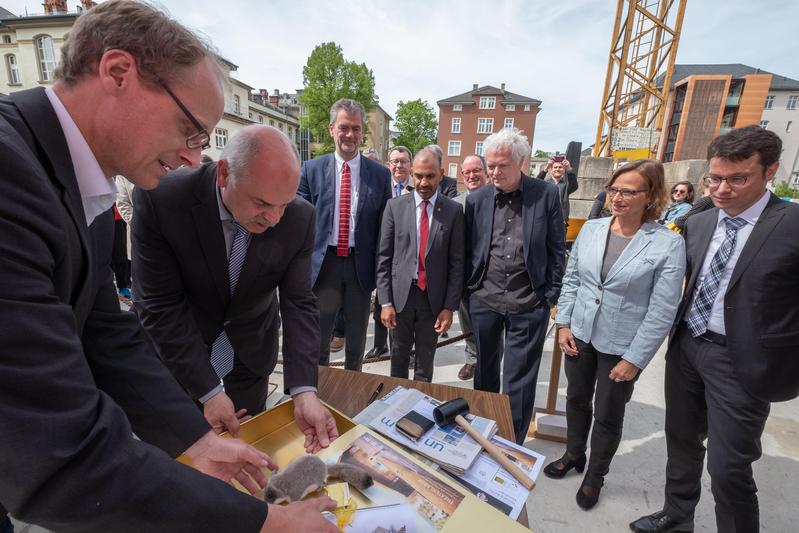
(343,244)
(424,228)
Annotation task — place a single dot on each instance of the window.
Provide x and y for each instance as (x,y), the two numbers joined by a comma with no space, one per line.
(261,119)
(788,126)
(236,104)
(456,125)
(792,102)
(46,56)
(249,113)
(769,102)
(454,148)
(271,122)
(457,107)
(478,148)
(6,39)
(13,70)
(485,125)
(764,124)
(510,107)
(453,169)
(220,135)
(280,126)
(508,123)
(488,102)
(527,107)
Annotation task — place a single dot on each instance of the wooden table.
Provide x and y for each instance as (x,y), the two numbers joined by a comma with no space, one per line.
(348,391)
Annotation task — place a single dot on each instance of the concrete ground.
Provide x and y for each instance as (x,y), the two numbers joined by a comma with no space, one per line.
(634,486)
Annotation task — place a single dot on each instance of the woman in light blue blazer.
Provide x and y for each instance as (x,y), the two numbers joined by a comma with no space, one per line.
(619,299)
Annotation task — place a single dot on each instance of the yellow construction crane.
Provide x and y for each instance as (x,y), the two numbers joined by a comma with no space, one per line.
(643,46)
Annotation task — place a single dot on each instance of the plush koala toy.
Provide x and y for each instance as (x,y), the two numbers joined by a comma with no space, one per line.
(307,474)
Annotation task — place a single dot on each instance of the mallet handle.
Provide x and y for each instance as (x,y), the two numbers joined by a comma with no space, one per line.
(496,453)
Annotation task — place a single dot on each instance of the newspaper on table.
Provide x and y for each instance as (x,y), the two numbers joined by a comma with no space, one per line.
(450,446)
(487,480)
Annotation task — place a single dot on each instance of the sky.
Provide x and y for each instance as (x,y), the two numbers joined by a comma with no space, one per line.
(555,52)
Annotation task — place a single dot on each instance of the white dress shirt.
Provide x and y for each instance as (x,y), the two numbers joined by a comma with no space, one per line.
(355,183)
(98,192)
(418,202)
(716,321)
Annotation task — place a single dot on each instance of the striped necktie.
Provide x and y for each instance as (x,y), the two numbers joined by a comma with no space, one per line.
(222,351)
(702,306)
(343,243)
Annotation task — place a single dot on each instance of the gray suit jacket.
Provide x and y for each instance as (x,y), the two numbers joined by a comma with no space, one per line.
(444,261)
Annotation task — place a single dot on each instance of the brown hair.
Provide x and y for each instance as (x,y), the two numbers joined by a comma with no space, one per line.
(162,47)
(743,143)
(689,186)
(652,172)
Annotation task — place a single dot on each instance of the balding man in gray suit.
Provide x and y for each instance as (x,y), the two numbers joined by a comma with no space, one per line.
(420,264)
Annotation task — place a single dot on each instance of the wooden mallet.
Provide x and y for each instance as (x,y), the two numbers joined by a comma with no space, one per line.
(455,411)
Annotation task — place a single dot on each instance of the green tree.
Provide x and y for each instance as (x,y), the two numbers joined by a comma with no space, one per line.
(327,76)
(783,190)
(417,124)
(540,153)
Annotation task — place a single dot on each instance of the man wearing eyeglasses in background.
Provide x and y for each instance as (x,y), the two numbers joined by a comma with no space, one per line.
(733,348)
(399,163)
(77,376)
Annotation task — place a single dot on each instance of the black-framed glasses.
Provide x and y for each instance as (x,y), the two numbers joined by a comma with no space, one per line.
(398,162)
(201,139)
(625,193)
(732,181)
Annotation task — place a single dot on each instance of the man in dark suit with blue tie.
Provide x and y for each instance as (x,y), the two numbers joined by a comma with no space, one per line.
(349,192)
(513,272)
(734,347)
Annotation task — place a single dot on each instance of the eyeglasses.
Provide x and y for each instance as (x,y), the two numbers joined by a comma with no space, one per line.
(201,139)
(398,162)
(625,193)
(732,181)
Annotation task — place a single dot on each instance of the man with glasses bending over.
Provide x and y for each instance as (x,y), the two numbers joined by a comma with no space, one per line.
(733,348)
(77,376)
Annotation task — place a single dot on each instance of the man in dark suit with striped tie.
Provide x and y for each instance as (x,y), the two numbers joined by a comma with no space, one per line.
(220,254)
(734,347)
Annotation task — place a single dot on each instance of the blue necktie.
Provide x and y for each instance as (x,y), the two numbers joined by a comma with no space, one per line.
(222,351)
(699,314)
(398,189)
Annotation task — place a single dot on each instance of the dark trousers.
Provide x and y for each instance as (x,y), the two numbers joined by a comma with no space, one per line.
(466,327)
(337,287)
(381,333)
(705,399)
(524,341)
(340,325)
(588,372)
(5,522)
(119,255)
(415,325)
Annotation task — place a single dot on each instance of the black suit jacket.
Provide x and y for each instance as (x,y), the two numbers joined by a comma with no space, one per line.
(544,236)
(443,256)
(76,374)
(761,310)
(448,187)
(182,290)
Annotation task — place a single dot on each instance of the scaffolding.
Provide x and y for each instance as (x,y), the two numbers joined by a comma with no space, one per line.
(643,47)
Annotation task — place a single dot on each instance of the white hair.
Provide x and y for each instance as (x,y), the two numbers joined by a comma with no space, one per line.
(512,139)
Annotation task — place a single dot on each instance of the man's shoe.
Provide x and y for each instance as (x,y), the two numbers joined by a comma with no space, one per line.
(466,372)
(375,352)
(660,522)
(337,344)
